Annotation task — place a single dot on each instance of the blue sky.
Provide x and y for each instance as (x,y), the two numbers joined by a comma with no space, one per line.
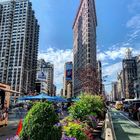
(118,28)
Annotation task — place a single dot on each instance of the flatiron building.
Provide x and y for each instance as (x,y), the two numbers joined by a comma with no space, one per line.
(84,45)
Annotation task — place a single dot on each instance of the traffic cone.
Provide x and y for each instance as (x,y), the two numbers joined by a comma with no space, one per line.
(19,128)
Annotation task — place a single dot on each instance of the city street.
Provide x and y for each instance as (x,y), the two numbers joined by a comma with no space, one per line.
(125,129)
(69,70)
(10,130)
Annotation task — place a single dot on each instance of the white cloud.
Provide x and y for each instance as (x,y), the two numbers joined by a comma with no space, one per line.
(113,69)
(134,25)
(105,64)
(111,72)
(114,53)
(136,52)
(134,22)
(101,56)
(58,57)
(134,6)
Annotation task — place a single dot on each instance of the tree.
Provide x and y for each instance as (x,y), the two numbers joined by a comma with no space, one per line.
(87,105)
(88,78)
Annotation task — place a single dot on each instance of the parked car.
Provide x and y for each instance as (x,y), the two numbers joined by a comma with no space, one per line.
(133,109)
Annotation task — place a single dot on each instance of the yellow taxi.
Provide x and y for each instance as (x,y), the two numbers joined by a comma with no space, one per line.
(119,105)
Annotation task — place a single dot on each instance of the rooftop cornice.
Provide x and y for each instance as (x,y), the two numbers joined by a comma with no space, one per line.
(81,2)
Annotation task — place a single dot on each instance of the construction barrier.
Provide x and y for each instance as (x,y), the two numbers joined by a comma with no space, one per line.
(109,128)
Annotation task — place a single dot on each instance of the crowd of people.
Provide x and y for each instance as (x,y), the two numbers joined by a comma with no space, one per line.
(62,109)
(21,109)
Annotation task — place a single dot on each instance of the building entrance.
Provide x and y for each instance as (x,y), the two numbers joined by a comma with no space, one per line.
(2,98)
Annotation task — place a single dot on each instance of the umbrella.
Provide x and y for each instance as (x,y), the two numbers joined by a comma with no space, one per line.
(41,97)
(58,99)
(25,98)
(75,99)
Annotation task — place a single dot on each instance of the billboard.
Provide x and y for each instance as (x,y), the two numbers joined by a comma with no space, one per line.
(42,76)
(69,71)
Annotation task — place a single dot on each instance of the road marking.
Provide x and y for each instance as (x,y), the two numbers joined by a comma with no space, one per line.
(129,120)
(115,114)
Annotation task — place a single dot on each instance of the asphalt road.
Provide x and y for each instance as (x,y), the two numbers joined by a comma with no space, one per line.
(9,131)
(125,129)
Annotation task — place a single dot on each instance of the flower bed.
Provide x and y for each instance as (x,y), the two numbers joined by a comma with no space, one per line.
(76,129)
(42,121)
(83,119)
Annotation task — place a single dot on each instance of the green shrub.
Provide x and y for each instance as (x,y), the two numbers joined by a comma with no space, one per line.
(73,129)
(39,123)
(87,105)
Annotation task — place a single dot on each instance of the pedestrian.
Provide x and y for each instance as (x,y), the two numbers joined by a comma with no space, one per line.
(138,115)
(69,104)
(130,110)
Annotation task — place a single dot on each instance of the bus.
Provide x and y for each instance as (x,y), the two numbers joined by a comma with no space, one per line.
(130,101)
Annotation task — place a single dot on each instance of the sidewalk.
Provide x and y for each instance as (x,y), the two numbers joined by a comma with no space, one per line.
(9,130)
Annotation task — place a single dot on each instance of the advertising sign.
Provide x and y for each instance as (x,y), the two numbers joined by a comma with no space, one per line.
(69,71)
(41,76)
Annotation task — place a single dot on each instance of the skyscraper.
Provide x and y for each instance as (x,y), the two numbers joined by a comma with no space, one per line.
(99,77)
(137,82)
(120,84)
(54,90)
(114,91)
(67,80)
(19,34)
(48,70)
(129,74)
(84,47)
